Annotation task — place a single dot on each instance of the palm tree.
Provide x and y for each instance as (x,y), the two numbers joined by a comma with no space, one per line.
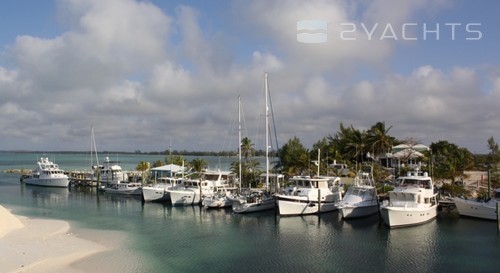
(247,149)
(143,167)
(379,139)
(198,164)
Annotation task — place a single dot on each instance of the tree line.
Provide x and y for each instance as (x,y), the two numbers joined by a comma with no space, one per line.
(353,147)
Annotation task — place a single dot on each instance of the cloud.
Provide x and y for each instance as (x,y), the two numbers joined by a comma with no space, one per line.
(143,76)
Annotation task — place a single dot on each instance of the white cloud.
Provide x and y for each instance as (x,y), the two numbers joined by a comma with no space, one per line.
(142,77)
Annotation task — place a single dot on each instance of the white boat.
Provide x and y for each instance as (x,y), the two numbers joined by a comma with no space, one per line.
(260,200)
(310,196)
(360,200)
(192,191)
(412,202)
(110,172)
(159,192)
(47,174)
(479,209)
(220,199)
(128,188)
(254,202)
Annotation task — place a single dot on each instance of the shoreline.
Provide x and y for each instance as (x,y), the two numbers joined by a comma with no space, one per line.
(43,245)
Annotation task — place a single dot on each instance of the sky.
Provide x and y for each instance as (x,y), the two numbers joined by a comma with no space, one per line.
(149,75)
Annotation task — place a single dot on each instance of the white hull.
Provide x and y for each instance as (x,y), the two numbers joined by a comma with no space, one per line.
(241,206)
(215,203)
(129,191)
(476,209)
(358,211)
(48,182)
(157,193)
(293,207)
(401,216)
(183,197)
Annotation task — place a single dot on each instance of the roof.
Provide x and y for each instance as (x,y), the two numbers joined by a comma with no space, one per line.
(170,168)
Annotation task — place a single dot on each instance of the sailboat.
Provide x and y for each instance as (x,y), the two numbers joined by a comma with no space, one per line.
(262,200)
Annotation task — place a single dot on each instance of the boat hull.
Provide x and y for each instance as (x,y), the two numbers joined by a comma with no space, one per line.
(130,191)
(476,209)
(183,198)
(402,217)
(289,207)
(62,182)
(155,194)
(348,212)
(244,207)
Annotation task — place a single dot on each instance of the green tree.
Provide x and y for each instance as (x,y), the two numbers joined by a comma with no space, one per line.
(378,139)
(351,143)
(295,157)
(143,167)
(450,161)
(198,164)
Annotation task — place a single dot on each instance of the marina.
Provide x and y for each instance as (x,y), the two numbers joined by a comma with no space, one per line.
(161,237)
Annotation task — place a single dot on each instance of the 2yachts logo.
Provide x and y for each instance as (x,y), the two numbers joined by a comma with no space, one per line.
(315,31)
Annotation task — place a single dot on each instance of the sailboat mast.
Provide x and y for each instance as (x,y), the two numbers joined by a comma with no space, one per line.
(239,140)
(267,131)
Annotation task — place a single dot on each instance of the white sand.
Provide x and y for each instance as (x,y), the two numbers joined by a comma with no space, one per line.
(38,245)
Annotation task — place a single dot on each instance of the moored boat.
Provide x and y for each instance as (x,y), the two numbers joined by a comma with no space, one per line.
(47,174)
(360,200)
(412,202)
(484,209)
(310,196)
(159,191)
(128,188)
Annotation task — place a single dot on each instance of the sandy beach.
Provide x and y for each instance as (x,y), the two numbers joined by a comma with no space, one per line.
(39,245)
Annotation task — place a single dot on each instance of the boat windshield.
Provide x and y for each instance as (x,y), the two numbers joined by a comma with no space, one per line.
(417,183)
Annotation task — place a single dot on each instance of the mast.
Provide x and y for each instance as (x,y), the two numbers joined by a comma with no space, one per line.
(267,131)
(239,140)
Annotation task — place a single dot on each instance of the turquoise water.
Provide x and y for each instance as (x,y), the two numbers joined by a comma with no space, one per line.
(161,238)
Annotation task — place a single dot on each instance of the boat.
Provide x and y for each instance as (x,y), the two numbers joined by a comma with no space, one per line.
(260,200)
(128,188)
(192,191)
(360,200)
(159,191)
(109,173)
(482,209)
(47,174)
(220,199)
(412,202)
(309,195)
(254,202)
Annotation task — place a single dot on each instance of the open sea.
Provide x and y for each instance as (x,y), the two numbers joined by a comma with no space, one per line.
(160,238)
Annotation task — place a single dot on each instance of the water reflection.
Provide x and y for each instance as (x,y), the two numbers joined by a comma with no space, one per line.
(412,247)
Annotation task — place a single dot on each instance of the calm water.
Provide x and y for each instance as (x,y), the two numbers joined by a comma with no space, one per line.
(160,238)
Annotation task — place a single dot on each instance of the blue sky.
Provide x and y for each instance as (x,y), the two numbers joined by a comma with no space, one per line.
(143,73)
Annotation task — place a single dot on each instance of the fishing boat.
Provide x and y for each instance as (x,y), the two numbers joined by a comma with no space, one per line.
(483,209)
(309,195)
(412,202)
(360,200)
(47,174)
